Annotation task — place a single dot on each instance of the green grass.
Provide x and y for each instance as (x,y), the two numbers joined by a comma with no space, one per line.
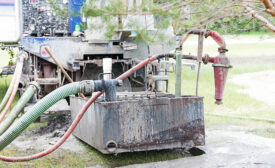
(4,84)
(58,159)
(5,80)
(90,157)
(234,102)
(132,158)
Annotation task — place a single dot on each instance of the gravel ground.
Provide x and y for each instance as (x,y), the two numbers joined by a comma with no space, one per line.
(45,137)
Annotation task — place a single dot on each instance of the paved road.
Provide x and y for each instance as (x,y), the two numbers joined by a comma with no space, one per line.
(226,149)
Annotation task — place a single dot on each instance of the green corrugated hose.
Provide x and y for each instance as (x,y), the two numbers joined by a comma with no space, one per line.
(5,124)
(8,93)
(21,124)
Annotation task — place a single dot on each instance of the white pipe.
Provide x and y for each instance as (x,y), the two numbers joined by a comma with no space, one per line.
(107,68)
(160,84)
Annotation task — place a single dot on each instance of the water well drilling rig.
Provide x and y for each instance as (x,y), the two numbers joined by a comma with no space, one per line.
(139,114)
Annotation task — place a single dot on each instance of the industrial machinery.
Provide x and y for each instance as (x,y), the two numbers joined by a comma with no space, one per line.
(135,114)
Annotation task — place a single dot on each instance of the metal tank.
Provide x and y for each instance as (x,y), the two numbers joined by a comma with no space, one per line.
(140,121)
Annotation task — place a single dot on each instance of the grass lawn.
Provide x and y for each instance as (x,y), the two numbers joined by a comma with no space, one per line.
(5,80)
(234,102)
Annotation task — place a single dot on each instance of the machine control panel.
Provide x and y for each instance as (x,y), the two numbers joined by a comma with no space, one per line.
(40,19)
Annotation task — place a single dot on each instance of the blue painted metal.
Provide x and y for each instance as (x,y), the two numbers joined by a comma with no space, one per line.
(38,39)
(33,44)
(7,2)
(75,15)
(65,49)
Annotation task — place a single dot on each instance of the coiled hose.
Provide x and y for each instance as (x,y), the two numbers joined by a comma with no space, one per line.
(15,86)
(25,98)
(8,93)
(8,135)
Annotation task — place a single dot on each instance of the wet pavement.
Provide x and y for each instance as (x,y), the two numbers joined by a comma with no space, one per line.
(226,149)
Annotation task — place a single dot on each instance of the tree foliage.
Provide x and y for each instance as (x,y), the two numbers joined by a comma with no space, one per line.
(226,16)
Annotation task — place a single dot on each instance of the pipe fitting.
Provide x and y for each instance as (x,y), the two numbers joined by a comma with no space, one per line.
(36,85)
(100,85)
(87,87)
(109,87)
(119,83)
(222,65)
(111,146)
(218,39)
(206,59)
(23,56)
(222,50)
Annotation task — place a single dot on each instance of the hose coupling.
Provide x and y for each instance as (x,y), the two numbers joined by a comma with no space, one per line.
(23,56)
(87,87)
(36,85)
(119,83)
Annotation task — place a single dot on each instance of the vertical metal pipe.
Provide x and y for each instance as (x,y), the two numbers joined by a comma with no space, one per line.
(160,72)
(107,68)
(199,59)
(178,72)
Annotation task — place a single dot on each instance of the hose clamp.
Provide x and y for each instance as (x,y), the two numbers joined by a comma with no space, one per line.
(36,85)
(23,56)
(222,65)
